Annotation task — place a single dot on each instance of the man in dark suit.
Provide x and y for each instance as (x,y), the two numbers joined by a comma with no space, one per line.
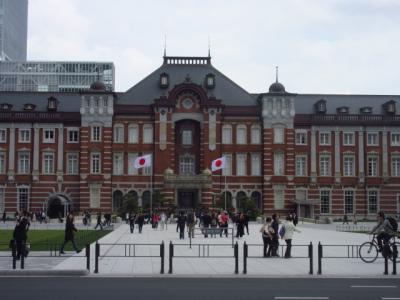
(70,230)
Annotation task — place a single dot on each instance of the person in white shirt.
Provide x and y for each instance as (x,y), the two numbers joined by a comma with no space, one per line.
(289,230)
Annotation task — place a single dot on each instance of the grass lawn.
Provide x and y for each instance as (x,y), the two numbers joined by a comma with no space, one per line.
(42,240)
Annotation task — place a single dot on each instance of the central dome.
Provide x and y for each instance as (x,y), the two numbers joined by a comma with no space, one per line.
(98,86)
(277,87)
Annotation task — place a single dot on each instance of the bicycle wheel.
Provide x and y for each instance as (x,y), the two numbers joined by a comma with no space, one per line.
(368,252)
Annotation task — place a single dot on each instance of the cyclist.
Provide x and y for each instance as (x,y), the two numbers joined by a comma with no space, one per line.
(384,231)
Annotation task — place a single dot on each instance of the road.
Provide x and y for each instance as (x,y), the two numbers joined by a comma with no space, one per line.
(113,288)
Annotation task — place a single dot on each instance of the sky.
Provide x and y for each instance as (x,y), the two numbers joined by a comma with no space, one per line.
(320,46)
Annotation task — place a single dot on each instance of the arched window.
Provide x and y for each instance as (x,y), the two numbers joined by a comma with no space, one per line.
(241,136)
(117,200)
(146,200)
(133,134)
(240,198)
(256,197)
(256,134)
(227,134)
(229,203)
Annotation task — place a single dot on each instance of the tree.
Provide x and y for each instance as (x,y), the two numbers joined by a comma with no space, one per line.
(158,199)
(220,202)
(247,205)
(129,204)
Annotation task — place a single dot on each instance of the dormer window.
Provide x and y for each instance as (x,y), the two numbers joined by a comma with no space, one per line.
(342,110)
(210,81)
(366,110)
(6,106)
(390,107)
(320,106)
(52,104)
(164,80)
(29,106)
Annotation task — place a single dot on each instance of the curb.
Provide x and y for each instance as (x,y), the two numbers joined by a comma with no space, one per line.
(10,273)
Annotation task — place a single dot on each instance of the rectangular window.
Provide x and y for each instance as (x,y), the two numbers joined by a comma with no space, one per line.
(349,201)
(372,202)
(372,139)
(96,134)
(395,166)
(149,170)
(255,164)
(241,164)
(301,138)
(226,135)
(147,134)
(279,198)
(94,195)
(325,138)
(301,165)
(72,163)
(48,163)
(118,134)
(133,134)
(73,135)
(2,162)
(241,135)
(325,197)
(187,138)
(256,135)
(279,135)
(95,163)
(24,136)
(279,164)
(348,138)
(23,199)
(325,165)
(2,200)
(3,135)
(301,194)
(186,164)
(131,164)
(372,166)
(23,162)
(395,139)
(49,136)
(348,165)
(227,171)
(118,164)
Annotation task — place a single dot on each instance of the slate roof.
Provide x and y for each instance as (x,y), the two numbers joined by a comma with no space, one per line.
(225,89)
(67,102)
(304,103)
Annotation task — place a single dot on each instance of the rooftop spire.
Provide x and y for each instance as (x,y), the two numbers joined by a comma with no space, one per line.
(209,47)
(165,45)
(276,71)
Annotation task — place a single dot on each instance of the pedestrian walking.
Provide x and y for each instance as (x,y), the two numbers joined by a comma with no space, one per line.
(191,222)
(20,234)
(99,221)
(4,216)
(132,219)
(140,221)
(289,229)
(345,220)
(266,234)
(70,230)
(275,237)
(181,224)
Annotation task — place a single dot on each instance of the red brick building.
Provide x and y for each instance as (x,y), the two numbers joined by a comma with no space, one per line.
(320,154)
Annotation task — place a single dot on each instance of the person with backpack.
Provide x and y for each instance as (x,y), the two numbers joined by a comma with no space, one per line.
(266,233)
(275,236)
(20,234)
(286,232)
(385,230)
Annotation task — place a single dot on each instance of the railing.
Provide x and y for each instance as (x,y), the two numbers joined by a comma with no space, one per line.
(351,251)
(128,250)
(308,248)
(304,119)
(212,232)
(202,251)
(353,228)
(48,117)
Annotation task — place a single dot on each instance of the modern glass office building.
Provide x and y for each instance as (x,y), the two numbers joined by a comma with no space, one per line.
(13,29)
(45,76)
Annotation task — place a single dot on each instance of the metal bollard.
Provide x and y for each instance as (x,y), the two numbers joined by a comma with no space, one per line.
(386,266)
(395,255)
(236,253)
(14,255)
(162,254)
(319,258)
(310,255)
(96,258)
(245,252)
(87,257)
(171,254)
(23,255)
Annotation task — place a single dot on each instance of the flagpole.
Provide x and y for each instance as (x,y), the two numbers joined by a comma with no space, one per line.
(225,191)
(151,188)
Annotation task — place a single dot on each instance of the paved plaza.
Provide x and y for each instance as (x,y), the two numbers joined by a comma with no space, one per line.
(113,249)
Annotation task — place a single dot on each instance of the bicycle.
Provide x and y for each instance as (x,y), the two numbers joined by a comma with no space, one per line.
(368,251)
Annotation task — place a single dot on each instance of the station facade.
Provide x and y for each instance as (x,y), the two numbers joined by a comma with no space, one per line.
(317,154)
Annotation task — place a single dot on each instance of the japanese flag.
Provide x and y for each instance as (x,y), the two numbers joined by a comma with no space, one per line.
(143,161)
(218,164)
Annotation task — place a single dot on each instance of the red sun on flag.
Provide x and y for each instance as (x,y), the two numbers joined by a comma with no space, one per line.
(218,163)
(142,161)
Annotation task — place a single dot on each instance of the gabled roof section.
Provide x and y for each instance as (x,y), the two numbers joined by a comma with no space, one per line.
(180,69)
